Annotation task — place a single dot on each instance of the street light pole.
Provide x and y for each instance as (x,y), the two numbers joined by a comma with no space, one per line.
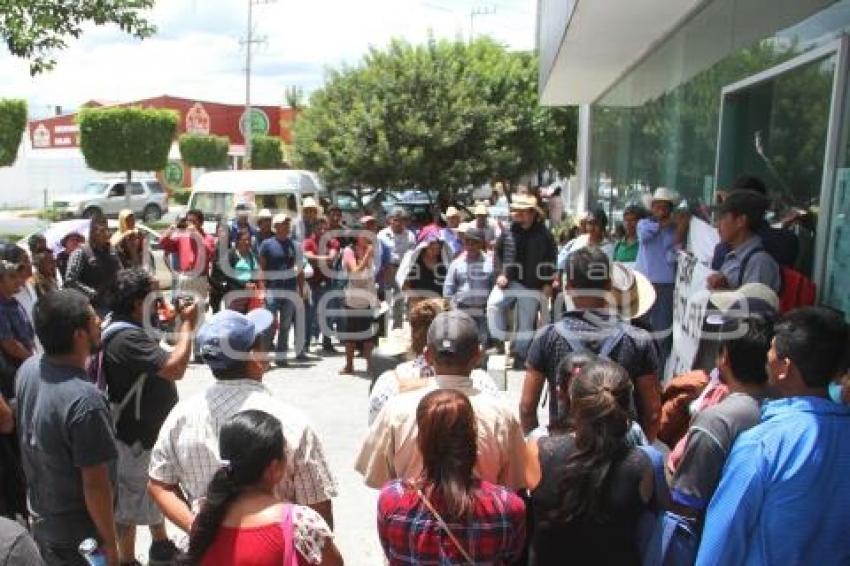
(248,42)
(478,12)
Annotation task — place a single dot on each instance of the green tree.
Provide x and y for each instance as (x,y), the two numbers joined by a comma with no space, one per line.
(204,151)
(443,115)
(13,121)
(266,153)
(126,139)
(34,29)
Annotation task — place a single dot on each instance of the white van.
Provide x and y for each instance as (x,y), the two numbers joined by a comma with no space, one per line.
(218,193)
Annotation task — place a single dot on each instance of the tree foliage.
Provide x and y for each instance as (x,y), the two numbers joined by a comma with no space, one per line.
(266,152)
(126,139)
(204,151)
(34,29)
(442,115)
(13,121)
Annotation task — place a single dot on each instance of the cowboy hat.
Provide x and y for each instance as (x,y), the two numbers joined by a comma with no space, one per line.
(525,202)
(310,202)
(663,194)
(452,211)
(480,210)
(633,294)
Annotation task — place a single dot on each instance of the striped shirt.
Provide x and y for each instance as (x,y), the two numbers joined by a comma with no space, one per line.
(186,452)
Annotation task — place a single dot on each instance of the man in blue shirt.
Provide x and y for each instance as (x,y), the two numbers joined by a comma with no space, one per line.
(785,490)
(280,261)
(470,279)
(661,236)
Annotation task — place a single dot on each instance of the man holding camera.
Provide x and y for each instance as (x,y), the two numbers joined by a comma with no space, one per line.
(140,378)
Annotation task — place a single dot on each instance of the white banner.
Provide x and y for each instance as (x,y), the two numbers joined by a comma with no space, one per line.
(690,300)
(702,238)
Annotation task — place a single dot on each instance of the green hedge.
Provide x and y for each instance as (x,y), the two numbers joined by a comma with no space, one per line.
(204,151)
(266,153)
(13,121)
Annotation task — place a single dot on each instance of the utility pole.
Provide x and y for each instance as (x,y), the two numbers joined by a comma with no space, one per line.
(248,43)
(478,12)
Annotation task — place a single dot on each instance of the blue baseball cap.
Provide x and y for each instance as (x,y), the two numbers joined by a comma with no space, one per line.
(228,335)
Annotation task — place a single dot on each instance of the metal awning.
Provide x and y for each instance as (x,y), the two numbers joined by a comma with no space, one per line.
(588,50)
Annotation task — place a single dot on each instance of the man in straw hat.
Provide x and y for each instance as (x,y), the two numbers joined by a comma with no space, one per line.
(661,236)
(450,232)
(470,279)
(304,226)
(264,227)
(603,297)
(524,261)
(483,222)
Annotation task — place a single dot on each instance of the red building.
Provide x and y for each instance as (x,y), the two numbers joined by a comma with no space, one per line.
(196,117)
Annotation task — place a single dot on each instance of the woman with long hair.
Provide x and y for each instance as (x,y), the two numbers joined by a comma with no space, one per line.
(128,241)
(361,295)
(447,516)
(590,487)
(242,521)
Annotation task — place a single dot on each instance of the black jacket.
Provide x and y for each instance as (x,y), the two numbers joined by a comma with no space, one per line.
(527,256)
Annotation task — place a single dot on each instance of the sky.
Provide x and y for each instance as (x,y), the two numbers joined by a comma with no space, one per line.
(197,52)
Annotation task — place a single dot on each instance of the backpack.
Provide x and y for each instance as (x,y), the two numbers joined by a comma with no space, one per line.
(577,346)
(94,368)
(796,290)
(665,538)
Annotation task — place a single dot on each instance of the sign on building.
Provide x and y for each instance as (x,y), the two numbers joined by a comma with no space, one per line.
(197,120)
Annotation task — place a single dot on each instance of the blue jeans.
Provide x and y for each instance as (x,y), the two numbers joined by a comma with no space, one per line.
(285,307)
(318,291)
(527,302)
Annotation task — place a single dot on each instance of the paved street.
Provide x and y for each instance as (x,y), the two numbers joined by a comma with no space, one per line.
(336,405)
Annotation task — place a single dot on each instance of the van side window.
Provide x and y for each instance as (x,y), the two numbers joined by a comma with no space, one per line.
(117,190)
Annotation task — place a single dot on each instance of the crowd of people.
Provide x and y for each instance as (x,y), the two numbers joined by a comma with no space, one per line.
(745,457)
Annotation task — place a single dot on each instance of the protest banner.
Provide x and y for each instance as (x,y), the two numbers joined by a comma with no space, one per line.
(690,302)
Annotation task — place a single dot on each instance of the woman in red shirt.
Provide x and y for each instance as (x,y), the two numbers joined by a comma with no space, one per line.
(448,516)
(242,522)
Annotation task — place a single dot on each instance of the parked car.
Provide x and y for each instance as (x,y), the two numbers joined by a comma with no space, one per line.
(54,232)
(374,203)
(148,200)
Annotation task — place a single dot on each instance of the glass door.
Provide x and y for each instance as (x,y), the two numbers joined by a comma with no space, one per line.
(775,125)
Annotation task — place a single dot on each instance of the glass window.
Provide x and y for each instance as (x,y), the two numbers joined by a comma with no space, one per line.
(117,190)
(136,189)
(213,204)
(155,187)
(95,187)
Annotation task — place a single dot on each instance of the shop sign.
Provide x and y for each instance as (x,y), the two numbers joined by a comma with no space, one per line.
(197,120)
(259,123)
(173,174)
(41,136)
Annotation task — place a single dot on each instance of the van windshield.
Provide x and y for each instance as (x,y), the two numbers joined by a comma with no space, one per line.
(219,204)
(276,202)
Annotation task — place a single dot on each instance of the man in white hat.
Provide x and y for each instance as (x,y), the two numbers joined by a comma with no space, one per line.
(661,236)
(524,261)
(450,235)
(486,224)
(596,321)
(280,261)
(241,222)
(304,225)
(264,227)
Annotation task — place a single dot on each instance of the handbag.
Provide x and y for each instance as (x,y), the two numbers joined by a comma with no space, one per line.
(442,523)
(665,538)
(288,530)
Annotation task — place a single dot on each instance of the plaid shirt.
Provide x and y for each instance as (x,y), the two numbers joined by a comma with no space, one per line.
(186,452)
(493,534)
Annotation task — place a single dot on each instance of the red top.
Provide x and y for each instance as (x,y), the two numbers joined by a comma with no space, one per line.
(311,245)
(189,253)
(247,546)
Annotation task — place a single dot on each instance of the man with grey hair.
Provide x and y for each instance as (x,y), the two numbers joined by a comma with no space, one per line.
(399,240)
(390,450)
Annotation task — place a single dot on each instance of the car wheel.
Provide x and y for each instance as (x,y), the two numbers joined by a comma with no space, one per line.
(91,212)
(152,213)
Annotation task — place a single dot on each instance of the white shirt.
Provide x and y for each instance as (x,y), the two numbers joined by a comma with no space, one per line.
(186,451)
(399,243)
(390,450)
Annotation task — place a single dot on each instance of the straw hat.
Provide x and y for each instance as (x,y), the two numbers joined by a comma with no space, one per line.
(264,213)
(525,202)
(310,202)
(480,210)
(452,211)
(633,293)
(280,218)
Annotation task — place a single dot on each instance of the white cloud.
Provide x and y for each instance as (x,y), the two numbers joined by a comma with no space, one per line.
(197,52)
